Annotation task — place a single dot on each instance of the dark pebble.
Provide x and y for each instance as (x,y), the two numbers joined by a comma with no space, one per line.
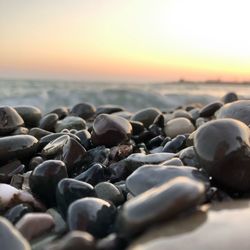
(9,120)
(223,150)
(92,215)
(84,110)
(150,176)
(44,179)
(69,190)
(110,130)
(210,109)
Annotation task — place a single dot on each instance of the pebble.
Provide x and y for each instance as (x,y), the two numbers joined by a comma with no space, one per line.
(189,157)
(159,204)
(210,109)
(70,122)
(110,130)
(95,174)
(92,215)
(69,190)
(66,149)
(10,197)
(10,237)
(17,212)
(30,114)
(146,116)
(109,192)
(222,148)
(10,120)
(175,145)
(32,225)
(150,176)
(230,97)
(44,179)
(17,147)
(48,122)
(178,126)
(239,110)
(84,110)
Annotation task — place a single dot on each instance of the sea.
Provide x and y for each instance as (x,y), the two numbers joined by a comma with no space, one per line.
(166,96)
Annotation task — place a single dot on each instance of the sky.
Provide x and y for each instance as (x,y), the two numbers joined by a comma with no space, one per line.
(125,40)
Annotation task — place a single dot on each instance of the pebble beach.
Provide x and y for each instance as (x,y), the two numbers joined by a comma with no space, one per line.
(108,176)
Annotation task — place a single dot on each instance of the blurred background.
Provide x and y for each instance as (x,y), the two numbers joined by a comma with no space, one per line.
(133,53)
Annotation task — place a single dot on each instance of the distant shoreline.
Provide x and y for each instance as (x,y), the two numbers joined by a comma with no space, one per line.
(181,81)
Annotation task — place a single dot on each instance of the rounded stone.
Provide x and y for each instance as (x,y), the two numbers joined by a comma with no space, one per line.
(239,110)
(109,192)
(159,204)
(146,116)
(93,215)
(17,147)
(9,120)
(70,122)
(223,149)
(10,197)
(67,150)
(70,190)
(17,212)
(44,179)
(84,110)
(230,97)
(178,126)
(150,176)
(11,238)
(210,109)
(32,225)
(30,114)
(48,122)
(110,130)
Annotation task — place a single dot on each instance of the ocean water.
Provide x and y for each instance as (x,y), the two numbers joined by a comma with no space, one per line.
(48,95)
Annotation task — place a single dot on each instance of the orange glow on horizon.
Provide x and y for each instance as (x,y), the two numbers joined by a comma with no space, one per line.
(148,40)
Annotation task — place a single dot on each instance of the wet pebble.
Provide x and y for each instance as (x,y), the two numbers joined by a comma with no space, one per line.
(48,122)
(159,204)
(92,215)
(84,110)
(150,176)
(44,179)
(70,122)
(17,147)
(66,149)
(146,116)
(210,109)
(222,147)
(110,130)
(69,190)
(95,174)
(30,114)
(9,120)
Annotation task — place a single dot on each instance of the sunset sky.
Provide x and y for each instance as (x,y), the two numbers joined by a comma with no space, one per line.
(125,40)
